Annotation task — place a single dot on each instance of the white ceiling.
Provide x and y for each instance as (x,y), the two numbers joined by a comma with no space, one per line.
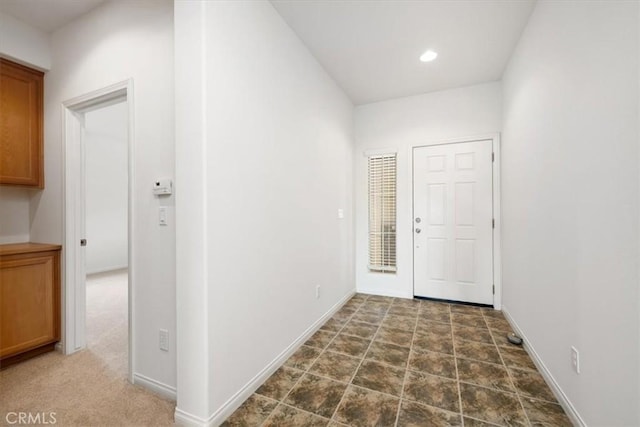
(372,48)
(47,15)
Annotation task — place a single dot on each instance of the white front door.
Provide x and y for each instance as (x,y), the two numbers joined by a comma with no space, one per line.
(453,222)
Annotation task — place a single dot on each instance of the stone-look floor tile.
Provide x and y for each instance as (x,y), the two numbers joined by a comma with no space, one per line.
(432,390)
(378,377)
(359,297)
(467,320)
(491,405)
(363,408)
(286,416)
(500,337)
(472,334)
(333,325)
(498,323)
(401,310)
(253,412)
(344,313)
(320,339)
(412,301)
(374,308)
(338,366)
(477,351)
(435,306)
(373,318)
(491,312)
(466,309)
(360,329)
(388,353)
(545,414)
(472,422)
(433,363)
(442,317)
(516,357)
(484,374)
(278,385)
(531,384)
(427,325)
(379,298)
(347,344)
(433,342)
(318,395)
(394,336)
(404,323)
(303,357)
(414,414)
(351,306)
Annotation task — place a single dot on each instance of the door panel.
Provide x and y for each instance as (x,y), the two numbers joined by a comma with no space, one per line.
(453,211)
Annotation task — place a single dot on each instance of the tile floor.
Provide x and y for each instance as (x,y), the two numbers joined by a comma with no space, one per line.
(395,362)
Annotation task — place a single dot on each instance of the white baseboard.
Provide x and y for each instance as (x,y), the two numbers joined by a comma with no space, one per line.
(162,389)
(386,293)
(564,401)
(185,419)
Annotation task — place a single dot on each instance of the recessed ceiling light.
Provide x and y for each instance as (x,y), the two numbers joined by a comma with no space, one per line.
(428,56)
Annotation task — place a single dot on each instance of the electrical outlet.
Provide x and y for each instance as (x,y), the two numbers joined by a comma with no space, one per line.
(575,359)
(318,292)
(164,340)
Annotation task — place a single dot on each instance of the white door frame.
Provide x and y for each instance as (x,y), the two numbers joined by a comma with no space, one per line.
(497,231)
(74,302)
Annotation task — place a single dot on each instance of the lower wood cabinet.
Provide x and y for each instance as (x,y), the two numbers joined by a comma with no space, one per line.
(29,300)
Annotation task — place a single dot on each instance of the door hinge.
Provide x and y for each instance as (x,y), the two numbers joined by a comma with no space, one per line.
(493,157)
(493,223)
(494,289)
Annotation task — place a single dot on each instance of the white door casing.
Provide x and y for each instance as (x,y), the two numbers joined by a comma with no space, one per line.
(453,221)
(73,289)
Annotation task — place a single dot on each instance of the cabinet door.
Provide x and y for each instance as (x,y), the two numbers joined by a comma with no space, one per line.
(28,303)
(21,104)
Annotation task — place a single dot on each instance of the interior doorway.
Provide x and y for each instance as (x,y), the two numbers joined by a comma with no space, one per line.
(98,222)
(454,219)
(105,143)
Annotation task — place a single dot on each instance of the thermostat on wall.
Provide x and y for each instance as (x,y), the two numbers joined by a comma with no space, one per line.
(162,187)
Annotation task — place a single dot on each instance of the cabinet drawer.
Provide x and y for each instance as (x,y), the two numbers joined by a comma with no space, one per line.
(29,302)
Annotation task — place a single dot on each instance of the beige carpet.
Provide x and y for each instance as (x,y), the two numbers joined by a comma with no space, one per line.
(82,391)
(107,319)
(88,388)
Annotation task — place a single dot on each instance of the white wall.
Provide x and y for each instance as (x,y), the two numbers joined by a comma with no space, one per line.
(400,124)
(276,147)
(22,43)
(14,214)
(114,42)
(570,200)
(106,180)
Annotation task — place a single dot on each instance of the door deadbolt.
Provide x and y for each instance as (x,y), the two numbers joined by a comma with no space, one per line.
(418,230)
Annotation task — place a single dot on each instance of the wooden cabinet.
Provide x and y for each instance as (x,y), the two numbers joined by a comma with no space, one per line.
(29,300)
(21,125)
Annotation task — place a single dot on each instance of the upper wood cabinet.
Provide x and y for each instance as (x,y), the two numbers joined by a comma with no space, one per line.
(21,125)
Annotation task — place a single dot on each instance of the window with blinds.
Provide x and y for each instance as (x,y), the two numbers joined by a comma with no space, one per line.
(382,213)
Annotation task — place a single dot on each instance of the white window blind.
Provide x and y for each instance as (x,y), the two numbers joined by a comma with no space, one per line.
(382,213)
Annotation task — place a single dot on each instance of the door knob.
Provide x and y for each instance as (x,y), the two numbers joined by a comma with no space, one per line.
(418,220)
(418,230)
(83,242)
